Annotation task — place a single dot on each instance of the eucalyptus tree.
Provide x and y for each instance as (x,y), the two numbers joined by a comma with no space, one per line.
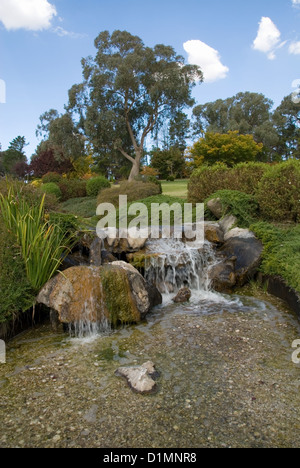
(128,91)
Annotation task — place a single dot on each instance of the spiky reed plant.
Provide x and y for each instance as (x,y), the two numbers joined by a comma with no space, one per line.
(43,245)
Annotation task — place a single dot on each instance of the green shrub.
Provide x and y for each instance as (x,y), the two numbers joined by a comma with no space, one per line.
(207,180)
(134,190)
(51,177)
(244,177)
(239,204)
(170,178)
(94,186)
(42,246)
(68,223)
(73,188)
(31,194)
(15,290)
(281,255)
(51,189)
(278,192)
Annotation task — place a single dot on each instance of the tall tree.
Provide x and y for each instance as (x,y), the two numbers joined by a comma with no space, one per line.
(248,113)
(14,155)
(287,121)
(61,135)
(129,89)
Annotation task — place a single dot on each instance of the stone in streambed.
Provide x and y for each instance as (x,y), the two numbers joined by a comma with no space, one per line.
(141,378)
(183,295)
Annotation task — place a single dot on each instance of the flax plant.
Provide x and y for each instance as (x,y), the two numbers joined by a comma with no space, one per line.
(43,245)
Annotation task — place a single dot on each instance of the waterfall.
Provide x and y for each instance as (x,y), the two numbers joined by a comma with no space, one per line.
(171,264)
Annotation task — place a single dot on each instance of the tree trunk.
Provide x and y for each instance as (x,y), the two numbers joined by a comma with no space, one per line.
(135,170)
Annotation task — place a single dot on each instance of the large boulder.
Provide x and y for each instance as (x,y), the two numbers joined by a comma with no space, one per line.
(222,275)
(247,250)
(114,293)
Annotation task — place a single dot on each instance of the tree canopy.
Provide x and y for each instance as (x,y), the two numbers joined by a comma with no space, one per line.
(229,148)
(128,91)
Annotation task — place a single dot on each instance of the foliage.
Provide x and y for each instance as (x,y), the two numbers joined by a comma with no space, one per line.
(134,190)
(168,162)
(51,177)
(248,113)
(68,223)
(52,189)
(239,204)
(286,119)
(61,134)
(15,290)
(83,207)
(136,88)
(229,148)
(42,245)
(72,188)
(14,158)
(95,185)
(244,177)
(279,192)
(281,255)
(44,162)
(30,193)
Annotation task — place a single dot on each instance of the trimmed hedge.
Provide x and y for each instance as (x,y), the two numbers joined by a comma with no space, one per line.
(244,177)
(73,188)
(52,189)
(278,192)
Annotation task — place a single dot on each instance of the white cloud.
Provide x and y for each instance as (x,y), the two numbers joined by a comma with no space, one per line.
(207,58)
(296,2)
(61,32)
(33,15)
(268,38)
(294,47)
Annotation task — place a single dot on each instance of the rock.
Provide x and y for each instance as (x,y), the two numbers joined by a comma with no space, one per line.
(222,275)
(213,233)
(183,295)
(227,223)
(113,293)
(237,232)
(107,257)
(248,252)
(216,207)
(124,242)
(95,258)
(140,379)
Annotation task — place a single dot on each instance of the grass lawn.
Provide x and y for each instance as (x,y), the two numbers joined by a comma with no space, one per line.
(178,188)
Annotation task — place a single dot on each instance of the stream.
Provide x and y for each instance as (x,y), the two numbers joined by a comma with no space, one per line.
(226,378)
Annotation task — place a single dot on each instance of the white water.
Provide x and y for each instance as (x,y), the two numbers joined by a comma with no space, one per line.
(173,265)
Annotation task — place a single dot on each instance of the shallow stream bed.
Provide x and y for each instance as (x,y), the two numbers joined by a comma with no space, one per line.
(226,380)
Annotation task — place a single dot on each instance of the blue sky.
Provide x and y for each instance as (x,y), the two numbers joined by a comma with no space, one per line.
(240,45)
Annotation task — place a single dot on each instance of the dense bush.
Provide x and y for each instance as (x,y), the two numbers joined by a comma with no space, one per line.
(52,189)
(281,255)
(240,204)
(73,188)
(68,223)
(278,193)
(52,177)
(15,290)
(134,190)
(31,194)
(95,185)
(206,181)
(244,177)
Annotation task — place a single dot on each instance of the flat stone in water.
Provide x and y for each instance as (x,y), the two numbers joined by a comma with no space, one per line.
(140,379)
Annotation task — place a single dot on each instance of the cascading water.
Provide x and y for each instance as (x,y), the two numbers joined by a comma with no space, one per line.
(171,264)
